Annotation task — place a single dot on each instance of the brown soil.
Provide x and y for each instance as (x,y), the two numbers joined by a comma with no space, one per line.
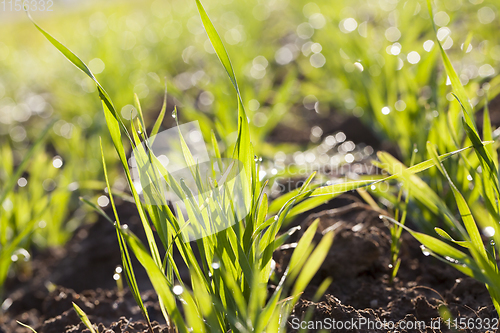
(82,272)
(358,262)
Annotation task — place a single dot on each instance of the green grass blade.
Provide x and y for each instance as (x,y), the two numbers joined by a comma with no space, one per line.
(218,45)
(157,278)
(312,265)
(455,257)
(124,254)
(75,60)
(27,326)
(468,220)
(352,185)
(243,150)
(160,118)
(84,318)
(300,255)
(98,209)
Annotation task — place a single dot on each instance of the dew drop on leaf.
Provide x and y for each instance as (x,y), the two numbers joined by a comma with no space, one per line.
(425,251)
(178,290)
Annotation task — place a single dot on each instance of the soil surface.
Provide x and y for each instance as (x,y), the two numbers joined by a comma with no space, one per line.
(358,262)
(81,272)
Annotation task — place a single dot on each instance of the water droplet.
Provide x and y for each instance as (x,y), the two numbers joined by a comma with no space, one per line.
(178,290)
(22,182)
(276,218)
(125,227)
(215,265)
(425,251)
(116,276)
(492,242)
(391,266)
(174,114)
(118,269)
(6,304)
(452,260)
(489,231)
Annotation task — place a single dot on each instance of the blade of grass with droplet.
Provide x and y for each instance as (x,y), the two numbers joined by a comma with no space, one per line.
(157,278)
(140,117)
(282,238)
(194,318)
(267,242)
(467,218)
(256,219)
(467,41)
(98,209)
(467,264)
(341,188)
(420,190)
